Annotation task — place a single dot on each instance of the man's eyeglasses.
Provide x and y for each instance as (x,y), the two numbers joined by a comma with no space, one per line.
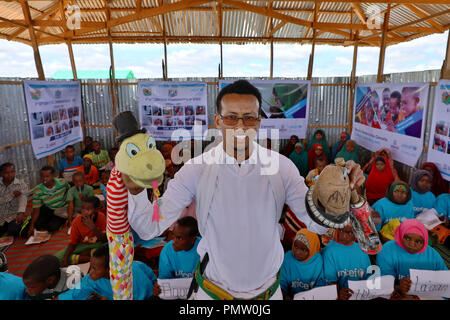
(232,120)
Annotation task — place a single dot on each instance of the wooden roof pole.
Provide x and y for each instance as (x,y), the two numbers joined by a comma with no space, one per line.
(445,71)
(311,57)
(353,83)
(383,45)
(161,3)
(220,34)
(112,68)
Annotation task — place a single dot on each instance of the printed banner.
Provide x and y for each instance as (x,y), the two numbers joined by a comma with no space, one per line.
(167,106)
(54,114)
(389,115)
(285,105)
(439,144)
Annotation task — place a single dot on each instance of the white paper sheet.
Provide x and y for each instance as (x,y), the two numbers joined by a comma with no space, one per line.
(370,289)
(174,288)
(429,218)
(430,283)
(38,237)
(320,293)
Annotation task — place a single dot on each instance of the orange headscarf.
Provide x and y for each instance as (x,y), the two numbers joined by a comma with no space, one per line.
(312,239)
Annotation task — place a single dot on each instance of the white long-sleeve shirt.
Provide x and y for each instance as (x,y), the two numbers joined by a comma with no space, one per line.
(241,235)
(10,205)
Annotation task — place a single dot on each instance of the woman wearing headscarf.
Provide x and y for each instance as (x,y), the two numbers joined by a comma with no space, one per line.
(408,250)
(315,152)
(349,151)
(439,185)
(300,158)
(379,179)
(396,205)
(343,138)
(422,197)
(290,146)
(302,267)
(319,137)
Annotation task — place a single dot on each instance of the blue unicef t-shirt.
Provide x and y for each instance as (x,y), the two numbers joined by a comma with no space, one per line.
(12,287)
(395,261)
(143,281)
(179,264)
(389,210)
(442,205)
(70,168)
(342,263)
(297,276)
(422,202)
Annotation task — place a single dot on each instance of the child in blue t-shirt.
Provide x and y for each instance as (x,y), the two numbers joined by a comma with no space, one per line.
(408,250)
(12,287)
(442,205)
(396,205)
(97,281)
(344,260)
(422,198)
(179,256)
(302,267)
(68,165)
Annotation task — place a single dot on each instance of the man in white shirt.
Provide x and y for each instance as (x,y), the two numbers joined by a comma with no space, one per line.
(13,200)
(240,189)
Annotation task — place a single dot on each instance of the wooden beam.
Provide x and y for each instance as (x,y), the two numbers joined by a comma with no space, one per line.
(311,57)
(352,84)
(359,12)
(445,70)
(383,45)
(422,14)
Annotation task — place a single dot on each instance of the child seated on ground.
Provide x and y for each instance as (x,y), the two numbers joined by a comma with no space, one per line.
(45,279)
(75,196)
(88,232)
(89,171)
(344,260)
(320,165)
(179,256)
(421,196)
(12,287)
(302,267)
(442,206)
(97,281)
(112,155)
(100,157)
(68,165)
(409,250)
(396,205)
(104,177)
(379,179)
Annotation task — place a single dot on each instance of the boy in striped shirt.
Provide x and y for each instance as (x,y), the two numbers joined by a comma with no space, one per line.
(49,202)
(100,157)
(68,165)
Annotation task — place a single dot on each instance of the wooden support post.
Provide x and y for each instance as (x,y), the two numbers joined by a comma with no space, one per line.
(445,71)
(165,43)
(112,68)
(311,57)
(352,85)
(383,45)
(271,59)
(220,35)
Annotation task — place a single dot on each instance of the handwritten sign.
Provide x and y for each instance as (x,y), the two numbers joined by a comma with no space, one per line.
(367,290)
(319,293)
(174,288)
(430,283)
(429,218)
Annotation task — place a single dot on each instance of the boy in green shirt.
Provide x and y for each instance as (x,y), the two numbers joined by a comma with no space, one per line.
(100,158)
(75,196)
(49,202)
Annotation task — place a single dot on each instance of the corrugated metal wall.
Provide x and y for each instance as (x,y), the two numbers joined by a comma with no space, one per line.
(329,107)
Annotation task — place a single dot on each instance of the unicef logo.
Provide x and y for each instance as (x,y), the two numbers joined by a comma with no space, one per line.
(147,92)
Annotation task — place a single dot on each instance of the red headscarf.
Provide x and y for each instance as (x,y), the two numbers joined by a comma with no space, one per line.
(439,185)
(378,182)
(312,156)
(411,226)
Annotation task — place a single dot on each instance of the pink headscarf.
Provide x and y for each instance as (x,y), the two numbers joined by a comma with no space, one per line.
(411,226)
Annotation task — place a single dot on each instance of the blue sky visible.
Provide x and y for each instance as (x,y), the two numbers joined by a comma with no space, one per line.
(200,60)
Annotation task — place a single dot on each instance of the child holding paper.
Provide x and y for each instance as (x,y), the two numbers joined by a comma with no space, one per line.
(320,165)
(302,267)
(422,198)
(344,260)
(179,256)
(97,280)
(442,206)
(409,250)
(75,196)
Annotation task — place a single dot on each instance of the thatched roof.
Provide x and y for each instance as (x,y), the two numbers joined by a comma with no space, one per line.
(338,22)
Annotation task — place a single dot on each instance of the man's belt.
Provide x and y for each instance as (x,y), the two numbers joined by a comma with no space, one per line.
(218,293)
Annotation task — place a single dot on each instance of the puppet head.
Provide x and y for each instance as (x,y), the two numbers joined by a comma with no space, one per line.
(137,156)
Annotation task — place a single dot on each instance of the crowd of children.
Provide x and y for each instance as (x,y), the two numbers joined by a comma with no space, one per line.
(76,198)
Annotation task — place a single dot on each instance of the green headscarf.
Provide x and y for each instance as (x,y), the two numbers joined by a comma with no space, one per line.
(323,142)
(300,160)
(348,155)
(392,187)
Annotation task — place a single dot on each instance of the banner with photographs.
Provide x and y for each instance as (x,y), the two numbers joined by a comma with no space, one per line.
(54,114)
(389,115)
(439,144)
(167,106)
(285,105)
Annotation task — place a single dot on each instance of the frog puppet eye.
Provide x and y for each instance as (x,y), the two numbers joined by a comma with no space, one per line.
(132,149)
(151,143)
